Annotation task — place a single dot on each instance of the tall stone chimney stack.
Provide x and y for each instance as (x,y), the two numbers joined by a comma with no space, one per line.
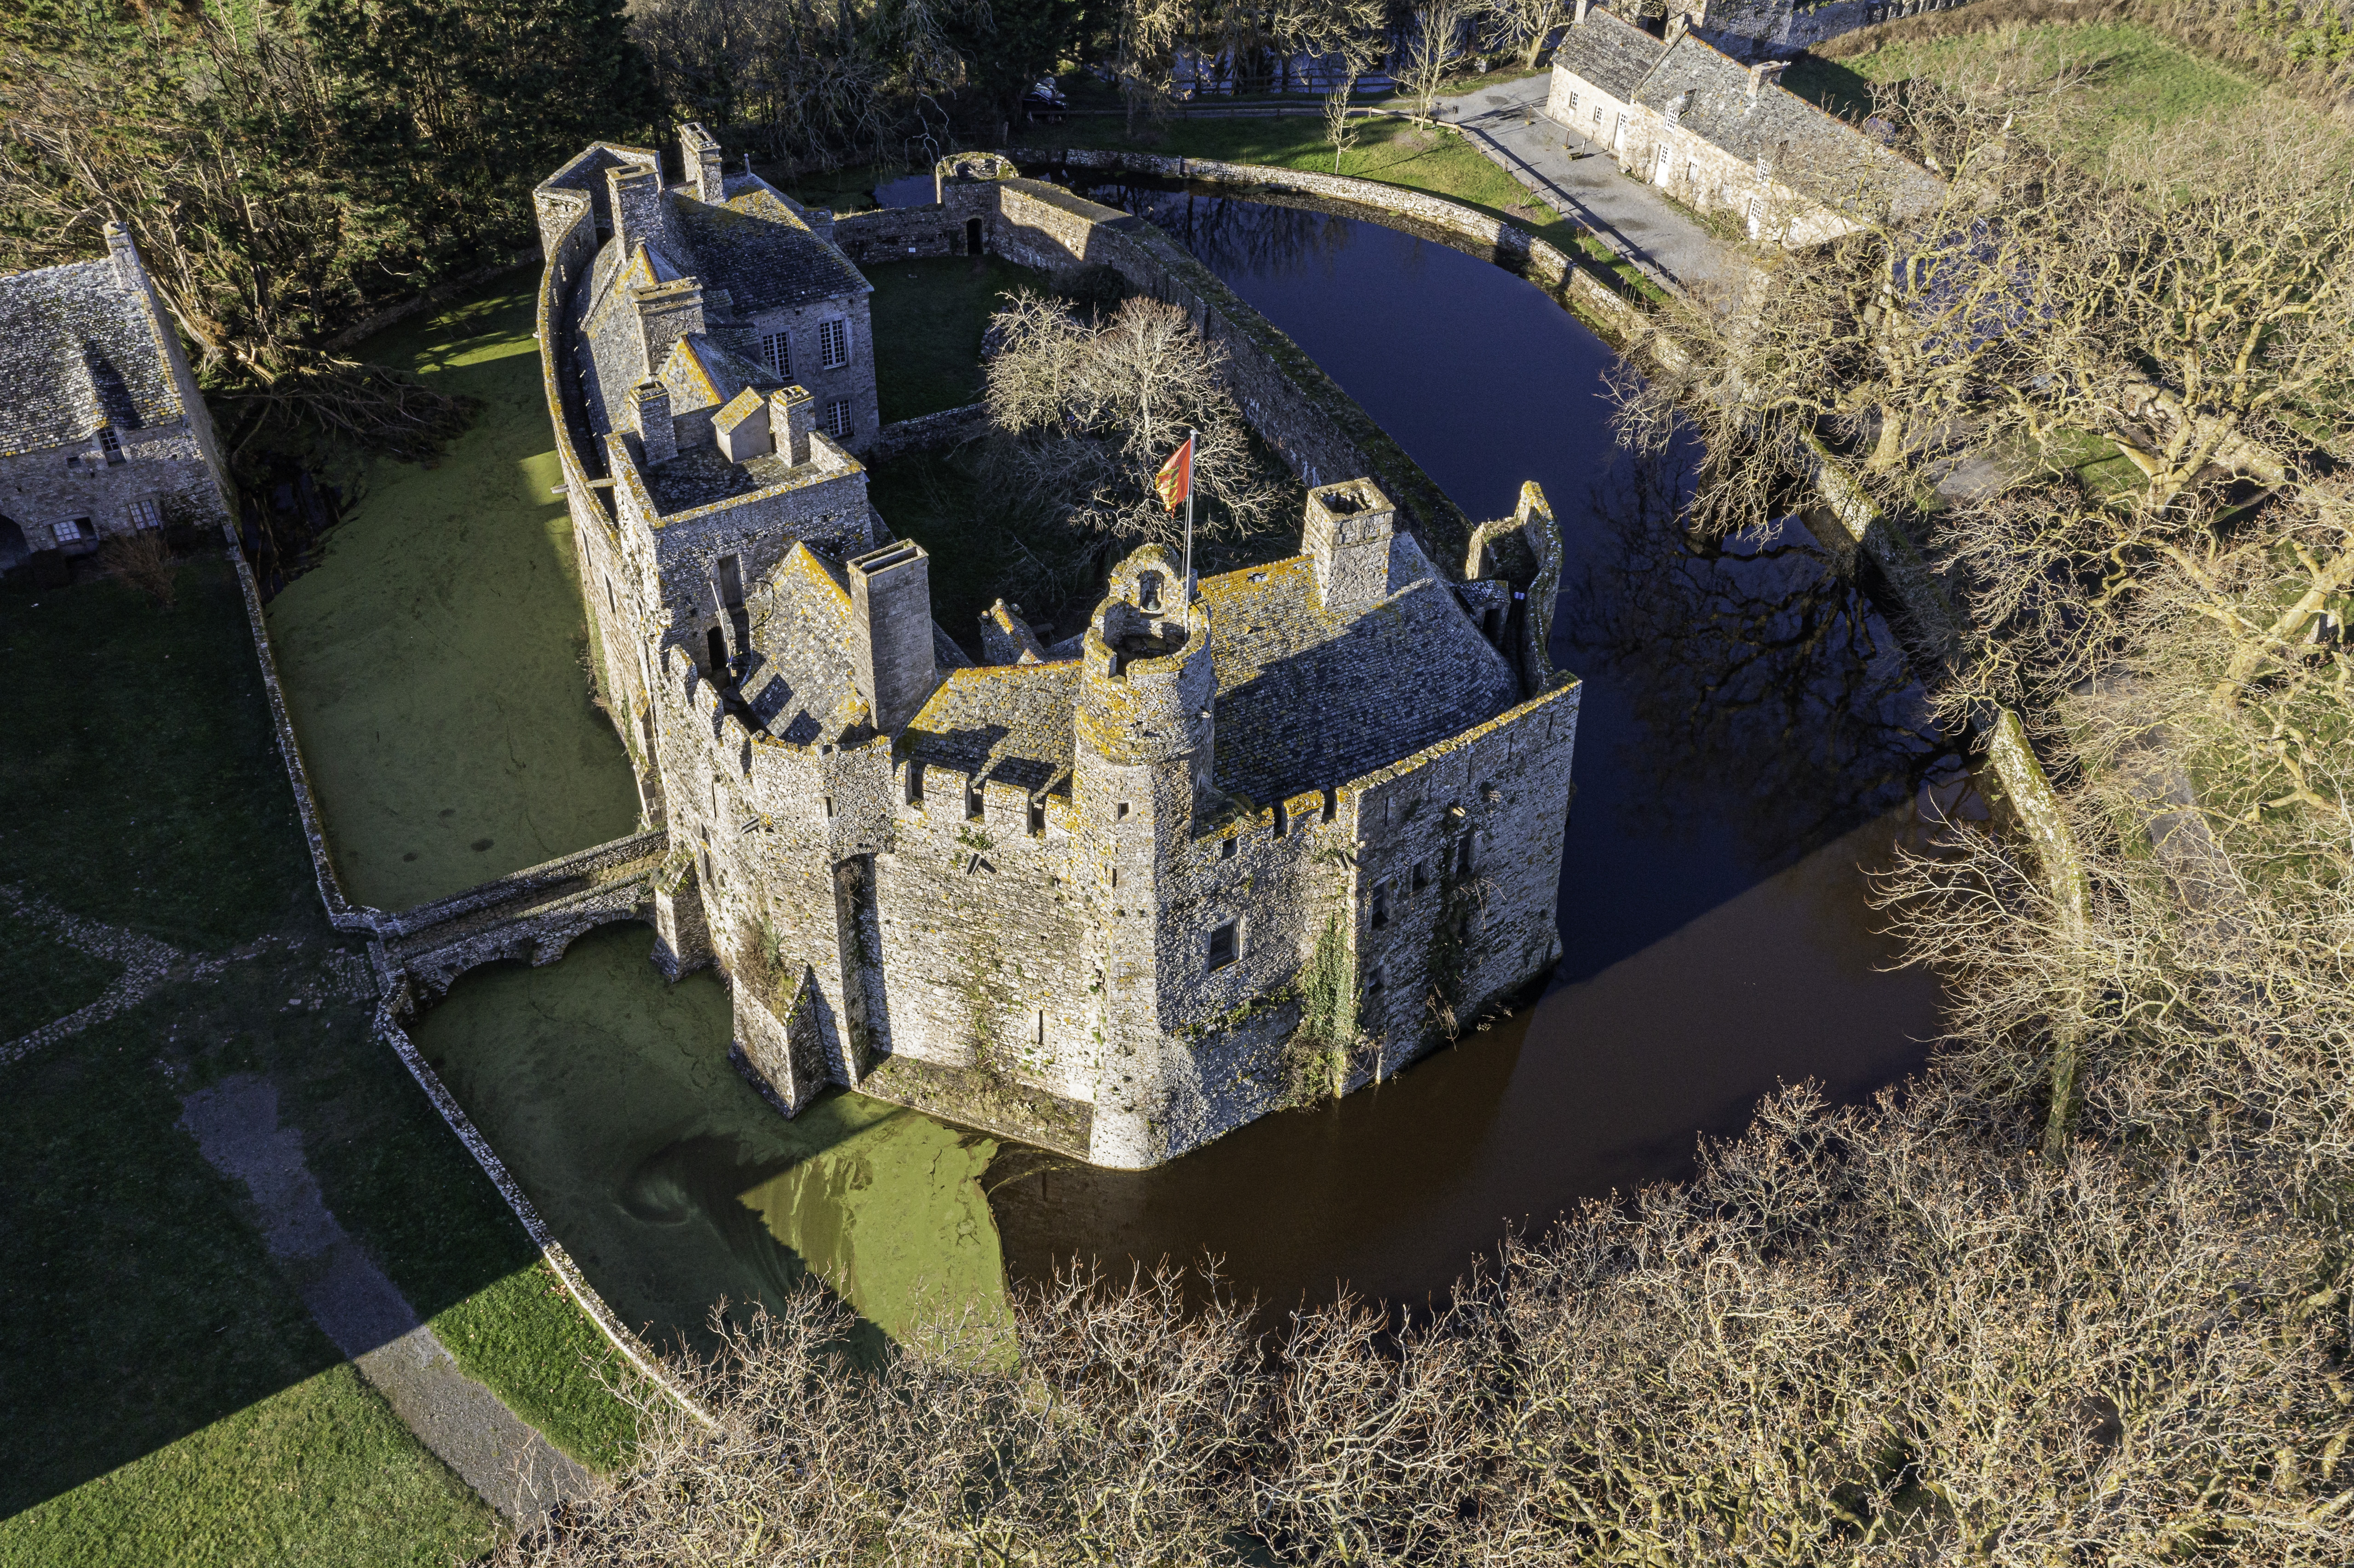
(666,312)
(792,420)
(891,637)
(1583,7)
(1350,536)
(699,151)
(649,413)
(635,193)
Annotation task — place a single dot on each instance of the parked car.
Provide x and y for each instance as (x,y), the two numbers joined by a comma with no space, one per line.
(1045,101)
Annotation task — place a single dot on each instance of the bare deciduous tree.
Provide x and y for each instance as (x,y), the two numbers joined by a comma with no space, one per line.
(1527,24)
(1432,45)
(1085,413)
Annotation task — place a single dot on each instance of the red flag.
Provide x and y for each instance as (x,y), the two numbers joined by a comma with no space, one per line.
(1175,480)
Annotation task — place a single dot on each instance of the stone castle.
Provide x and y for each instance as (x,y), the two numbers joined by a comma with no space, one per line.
(1119,895)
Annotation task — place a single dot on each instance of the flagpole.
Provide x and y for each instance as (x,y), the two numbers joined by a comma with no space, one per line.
(1191,456)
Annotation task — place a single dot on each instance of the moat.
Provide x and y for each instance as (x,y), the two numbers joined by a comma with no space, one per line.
(1749,741)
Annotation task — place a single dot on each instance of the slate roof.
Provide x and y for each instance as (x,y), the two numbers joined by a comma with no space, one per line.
(1811,150)
(759,249)
(701,371)
(1003,721)
(755,253)
(802,687)
(1608,51)
(78,349)
(1308,698)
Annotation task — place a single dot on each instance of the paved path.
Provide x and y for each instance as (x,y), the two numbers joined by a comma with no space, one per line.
(147,964)
(1577,178)
(514,1469)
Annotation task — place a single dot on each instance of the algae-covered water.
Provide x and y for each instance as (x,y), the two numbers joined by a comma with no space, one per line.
(674,1186)
(432,660)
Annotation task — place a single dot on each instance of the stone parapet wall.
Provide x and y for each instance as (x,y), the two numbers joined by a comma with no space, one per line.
(1319,431)
(927,432)
(1509,246)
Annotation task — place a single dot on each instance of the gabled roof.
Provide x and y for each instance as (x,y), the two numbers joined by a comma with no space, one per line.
(1813,152)
(760,248)
(78,349)
(1608,50)
(701,371)
(1310,697)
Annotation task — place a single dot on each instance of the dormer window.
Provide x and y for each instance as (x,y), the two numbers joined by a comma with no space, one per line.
(107,445)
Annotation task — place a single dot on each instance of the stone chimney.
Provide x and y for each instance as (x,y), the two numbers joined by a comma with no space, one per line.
(792,420)
(891,634)
(1351,536)
(1765,74)
(1579,19)
(742,427)
(635,193)
(666,312)
(649,414)
(128,268)
(699,154)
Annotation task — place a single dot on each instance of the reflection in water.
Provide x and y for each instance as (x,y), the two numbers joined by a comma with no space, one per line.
(1767,693)
(675,1187)
(1746,740)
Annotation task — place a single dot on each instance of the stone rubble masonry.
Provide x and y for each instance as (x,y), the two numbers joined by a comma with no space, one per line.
(93,357)
(1018,895)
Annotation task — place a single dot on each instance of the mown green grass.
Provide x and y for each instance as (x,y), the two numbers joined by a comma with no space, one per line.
(1391,152)
(2138,82)
(167,1397)
(159,1382)
(42,979)
(929,314)
(140,774)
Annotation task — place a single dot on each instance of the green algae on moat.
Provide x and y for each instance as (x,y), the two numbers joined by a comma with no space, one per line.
(675,1186)
(431,661)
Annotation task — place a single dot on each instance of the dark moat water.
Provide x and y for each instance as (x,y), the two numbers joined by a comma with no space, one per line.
(1749,739)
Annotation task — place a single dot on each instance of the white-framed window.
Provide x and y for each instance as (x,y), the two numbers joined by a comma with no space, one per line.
(833,343)
(144,513)
(777,353)
(837,418)
(1573,103)
(1667,165)
(65,531)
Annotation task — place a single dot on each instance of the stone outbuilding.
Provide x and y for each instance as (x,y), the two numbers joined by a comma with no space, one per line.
(102,431)
(1723,135)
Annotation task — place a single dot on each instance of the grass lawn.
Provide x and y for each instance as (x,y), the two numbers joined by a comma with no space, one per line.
(1393,152)
(42,978)
(141,773)
(929,314)
(2139,81)
(169,1397)
(432,660)
(165,1395)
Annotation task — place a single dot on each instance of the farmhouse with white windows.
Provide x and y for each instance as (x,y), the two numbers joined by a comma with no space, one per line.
(1722,135)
